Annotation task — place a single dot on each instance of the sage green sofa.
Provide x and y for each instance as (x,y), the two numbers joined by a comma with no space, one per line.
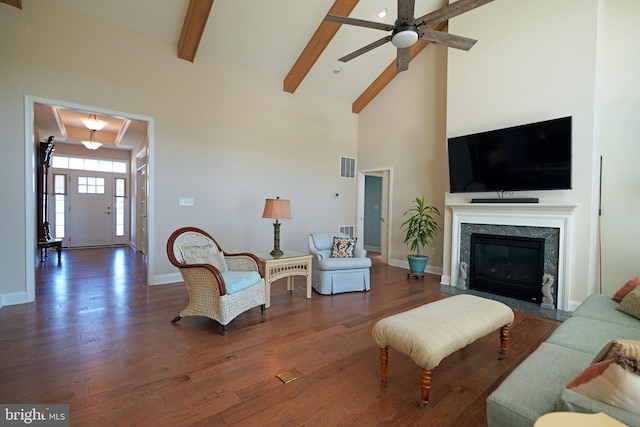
(537,385)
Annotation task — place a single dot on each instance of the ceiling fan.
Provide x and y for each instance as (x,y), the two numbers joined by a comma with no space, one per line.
(407,30)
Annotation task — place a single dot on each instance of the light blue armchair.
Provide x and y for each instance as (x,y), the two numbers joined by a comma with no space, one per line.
(336,275)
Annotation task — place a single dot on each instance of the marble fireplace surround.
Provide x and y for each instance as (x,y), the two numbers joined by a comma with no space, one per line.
(546,215)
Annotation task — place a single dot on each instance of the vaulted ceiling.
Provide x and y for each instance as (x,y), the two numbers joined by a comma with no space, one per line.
(285,39)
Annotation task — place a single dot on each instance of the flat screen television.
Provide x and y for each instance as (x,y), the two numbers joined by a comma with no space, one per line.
(535,156)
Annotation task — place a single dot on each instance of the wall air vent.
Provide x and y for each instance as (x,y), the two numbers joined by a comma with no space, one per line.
(347,229)
(347,167)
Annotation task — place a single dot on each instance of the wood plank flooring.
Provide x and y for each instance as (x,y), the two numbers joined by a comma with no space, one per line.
(99,339)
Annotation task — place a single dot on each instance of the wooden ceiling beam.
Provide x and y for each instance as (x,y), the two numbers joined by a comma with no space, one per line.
(318,43)
(194,23)
(388,75)
(14,3)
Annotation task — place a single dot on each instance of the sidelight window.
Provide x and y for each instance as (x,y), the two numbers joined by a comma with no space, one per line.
(59,204)
(120,206)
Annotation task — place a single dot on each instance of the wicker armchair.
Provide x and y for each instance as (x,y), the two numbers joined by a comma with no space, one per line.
(221,286)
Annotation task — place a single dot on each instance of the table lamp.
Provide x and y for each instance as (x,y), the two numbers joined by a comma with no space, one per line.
(276,209)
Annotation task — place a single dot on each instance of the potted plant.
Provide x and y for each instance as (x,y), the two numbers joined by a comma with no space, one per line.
(420,227)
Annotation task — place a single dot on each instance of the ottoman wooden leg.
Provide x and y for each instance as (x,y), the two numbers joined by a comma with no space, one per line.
(425,385)
(504,336)
(384,360)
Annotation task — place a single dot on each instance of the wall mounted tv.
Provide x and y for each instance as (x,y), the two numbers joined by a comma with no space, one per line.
(535,156)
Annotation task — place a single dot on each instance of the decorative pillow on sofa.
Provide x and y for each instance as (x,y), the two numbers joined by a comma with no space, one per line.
(614,381)
(630,348)
(631,303)
(343,247)
(217,260)
(626,288)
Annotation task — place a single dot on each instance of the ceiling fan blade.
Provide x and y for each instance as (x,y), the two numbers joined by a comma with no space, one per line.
(365,49)
(402,59)
(358,22)
(446,39)
(449,11)
(405,11)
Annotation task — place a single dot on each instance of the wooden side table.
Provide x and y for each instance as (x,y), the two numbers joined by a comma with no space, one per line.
(288,265)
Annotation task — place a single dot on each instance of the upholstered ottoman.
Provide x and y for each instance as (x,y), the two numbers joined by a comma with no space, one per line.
(433,331)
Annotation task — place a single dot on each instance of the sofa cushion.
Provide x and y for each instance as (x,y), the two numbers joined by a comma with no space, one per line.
(533,388)
(343,247)
(613,381)
(626,288)
(571,401)
(601,307)
(631,303)
(590,335)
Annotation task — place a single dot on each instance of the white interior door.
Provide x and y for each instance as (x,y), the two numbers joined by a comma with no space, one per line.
(90,217)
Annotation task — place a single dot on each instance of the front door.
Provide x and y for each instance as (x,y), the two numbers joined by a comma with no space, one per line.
(90,217)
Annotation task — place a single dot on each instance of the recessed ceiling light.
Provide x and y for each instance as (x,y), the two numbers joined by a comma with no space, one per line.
(382,13)
(337,70)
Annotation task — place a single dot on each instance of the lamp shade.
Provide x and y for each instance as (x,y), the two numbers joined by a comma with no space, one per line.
(277,209)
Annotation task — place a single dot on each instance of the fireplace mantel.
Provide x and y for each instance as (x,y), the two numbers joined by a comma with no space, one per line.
(552,215)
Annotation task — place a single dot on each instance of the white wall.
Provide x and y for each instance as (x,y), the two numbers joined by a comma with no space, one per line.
(531,65)
(619,109)
(223,135)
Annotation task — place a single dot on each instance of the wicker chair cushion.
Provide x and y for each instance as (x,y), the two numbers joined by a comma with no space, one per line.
(217,260)
(236,281)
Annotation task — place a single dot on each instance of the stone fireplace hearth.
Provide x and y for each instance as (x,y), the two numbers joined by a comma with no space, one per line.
(549,221)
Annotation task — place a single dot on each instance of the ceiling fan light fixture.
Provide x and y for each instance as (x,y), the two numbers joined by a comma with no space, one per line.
(404,36)
(93,123)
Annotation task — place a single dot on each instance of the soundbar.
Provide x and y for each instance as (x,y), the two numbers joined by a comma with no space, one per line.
(507,200)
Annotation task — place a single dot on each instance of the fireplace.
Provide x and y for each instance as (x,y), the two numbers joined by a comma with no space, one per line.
(550,221)
(511,266)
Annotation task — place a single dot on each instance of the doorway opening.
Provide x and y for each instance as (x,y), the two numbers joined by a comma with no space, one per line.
(34,132)
(374,216)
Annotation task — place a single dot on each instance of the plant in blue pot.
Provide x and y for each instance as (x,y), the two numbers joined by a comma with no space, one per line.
(420,228)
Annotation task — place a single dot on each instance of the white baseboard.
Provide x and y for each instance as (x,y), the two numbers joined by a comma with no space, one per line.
(405,264)
(14,298)
(165,279)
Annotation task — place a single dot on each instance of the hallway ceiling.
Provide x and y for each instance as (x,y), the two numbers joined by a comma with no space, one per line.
(66,126)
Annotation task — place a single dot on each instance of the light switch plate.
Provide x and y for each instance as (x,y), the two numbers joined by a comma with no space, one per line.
(186,201)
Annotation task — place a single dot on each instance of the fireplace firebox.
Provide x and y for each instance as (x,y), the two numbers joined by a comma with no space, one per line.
(511,266)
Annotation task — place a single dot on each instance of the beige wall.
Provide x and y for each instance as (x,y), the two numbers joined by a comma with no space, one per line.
(404,129)
(223,135)
(532,65)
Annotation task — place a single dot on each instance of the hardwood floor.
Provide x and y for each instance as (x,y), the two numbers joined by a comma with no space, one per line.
(99,339)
